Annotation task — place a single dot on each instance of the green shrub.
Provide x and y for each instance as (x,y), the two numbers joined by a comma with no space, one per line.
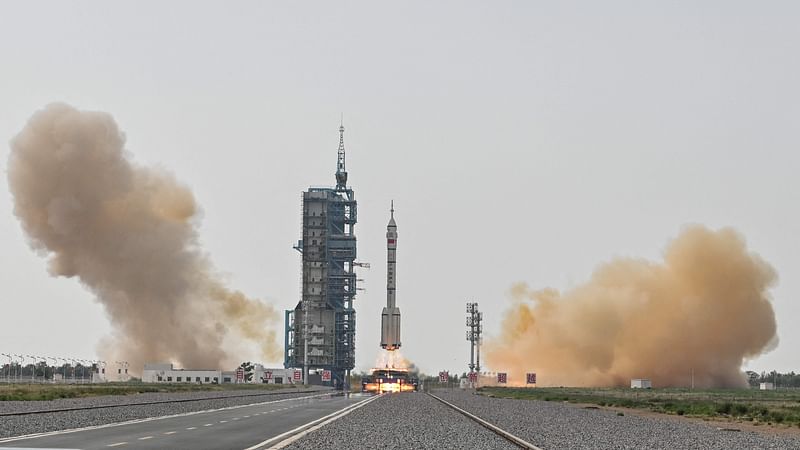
(724,408)
(740,409)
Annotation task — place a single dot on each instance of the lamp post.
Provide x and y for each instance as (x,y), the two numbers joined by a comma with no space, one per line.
(55,364)
(8,370)
(33,367)
(74,370)
(64,370)
(15,373)
(19,369)
(83,370)
(44,377)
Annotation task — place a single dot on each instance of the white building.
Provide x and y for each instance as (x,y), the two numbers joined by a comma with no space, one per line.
(273,376)
(641,383)
(767,386)
(166,373)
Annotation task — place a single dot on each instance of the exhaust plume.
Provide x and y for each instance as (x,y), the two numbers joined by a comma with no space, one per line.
(393,359)
(129,234)
(704,309)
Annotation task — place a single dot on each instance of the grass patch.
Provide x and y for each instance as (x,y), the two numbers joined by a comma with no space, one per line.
(778,407)
(34,392)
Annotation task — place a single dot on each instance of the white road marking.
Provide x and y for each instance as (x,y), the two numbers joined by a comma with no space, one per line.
(192,428)
(246,417)
(145,438)
(223,421)
(284,439)
(117,444)
(150,419)
(208,424)
(170,432)
(235,418)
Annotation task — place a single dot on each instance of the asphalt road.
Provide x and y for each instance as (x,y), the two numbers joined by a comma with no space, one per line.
(237,427)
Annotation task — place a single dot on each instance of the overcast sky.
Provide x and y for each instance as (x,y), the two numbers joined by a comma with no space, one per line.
(521,141)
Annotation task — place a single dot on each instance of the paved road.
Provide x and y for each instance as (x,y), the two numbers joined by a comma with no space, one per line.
(231,428)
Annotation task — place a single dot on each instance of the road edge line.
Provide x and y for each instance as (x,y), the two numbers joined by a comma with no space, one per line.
(292,435)
(147,419)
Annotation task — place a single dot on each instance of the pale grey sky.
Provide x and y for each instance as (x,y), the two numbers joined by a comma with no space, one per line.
(521,141)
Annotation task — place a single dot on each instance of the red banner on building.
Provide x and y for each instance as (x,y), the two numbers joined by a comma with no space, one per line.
(443,377)
(530,378)
(326,375)
(502,377)
(298,375)
(473,377)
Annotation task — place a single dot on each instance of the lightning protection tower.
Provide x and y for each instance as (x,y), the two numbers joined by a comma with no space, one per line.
(474,329)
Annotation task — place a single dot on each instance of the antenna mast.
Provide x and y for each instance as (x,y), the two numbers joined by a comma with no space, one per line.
(341,172)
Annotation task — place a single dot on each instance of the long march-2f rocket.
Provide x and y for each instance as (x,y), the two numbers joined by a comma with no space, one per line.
(390,317)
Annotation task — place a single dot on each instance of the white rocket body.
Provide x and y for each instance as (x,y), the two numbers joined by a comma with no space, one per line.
(390,317)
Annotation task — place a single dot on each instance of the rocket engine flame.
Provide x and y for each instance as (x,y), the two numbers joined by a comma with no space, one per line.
(705,308)
(129,234)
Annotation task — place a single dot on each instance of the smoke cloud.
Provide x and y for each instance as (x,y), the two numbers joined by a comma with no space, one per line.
(394,360)
(705,308)
(129,234)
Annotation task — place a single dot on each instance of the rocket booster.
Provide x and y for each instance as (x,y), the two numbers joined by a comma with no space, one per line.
(390,317)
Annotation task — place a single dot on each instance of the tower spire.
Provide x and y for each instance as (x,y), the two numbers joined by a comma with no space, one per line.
(341,172)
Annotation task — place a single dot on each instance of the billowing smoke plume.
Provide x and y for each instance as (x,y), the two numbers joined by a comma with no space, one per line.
(129,234)
(704,309)
(394,360)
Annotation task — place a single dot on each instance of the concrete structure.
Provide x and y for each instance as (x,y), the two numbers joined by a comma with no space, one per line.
(166,373)
(641,383)
(321,329)
(767,386)
(390,316)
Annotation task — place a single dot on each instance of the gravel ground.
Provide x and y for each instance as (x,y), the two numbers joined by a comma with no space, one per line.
(551,425)
(20,425)
(402,421)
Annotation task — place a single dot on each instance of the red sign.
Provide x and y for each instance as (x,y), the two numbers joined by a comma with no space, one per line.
(530,378)
(326,375)
(443,377)
(298,375)
(502,377)
(473,377)
(268,375)
(239,374)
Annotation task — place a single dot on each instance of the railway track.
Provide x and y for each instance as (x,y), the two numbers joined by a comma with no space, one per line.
(154,402)
(494,428)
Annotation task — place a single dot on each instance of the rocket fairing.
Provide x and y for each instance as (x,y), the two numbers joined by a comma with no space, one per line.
(390,317)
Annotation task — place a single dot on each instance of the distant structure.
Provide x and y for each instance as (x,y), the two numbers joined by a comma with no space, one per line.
(321,329)
(641,383)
